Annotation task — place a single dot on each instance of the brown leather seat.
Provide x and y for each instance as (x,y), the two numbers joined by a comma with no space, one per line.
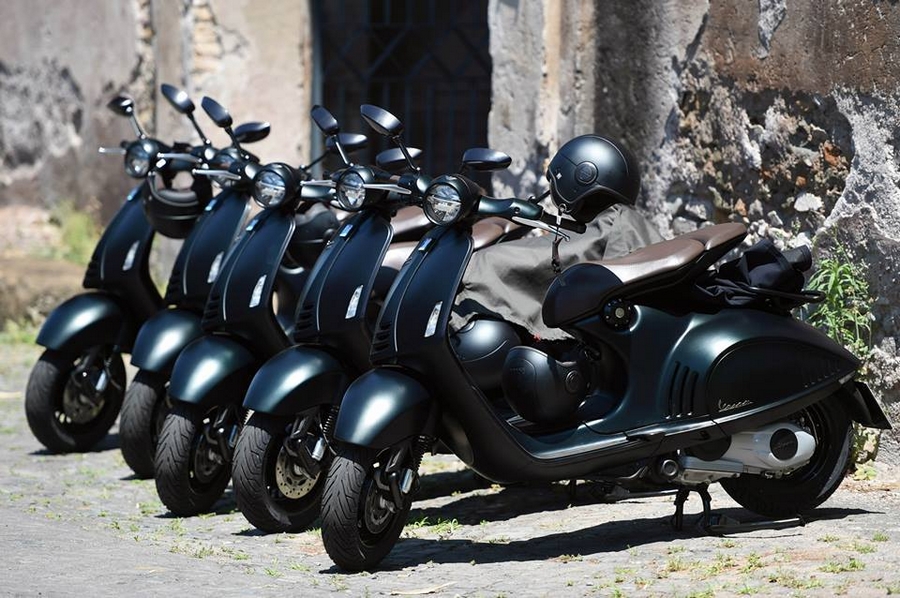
(581,289)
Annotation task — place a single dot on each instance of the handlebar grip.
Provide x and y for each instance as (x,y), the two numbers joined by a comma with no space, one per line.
(564,223)
(799,257)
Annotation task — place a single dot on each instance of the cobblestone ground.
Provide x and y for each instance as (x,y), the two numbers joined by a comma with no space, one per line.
(80,525)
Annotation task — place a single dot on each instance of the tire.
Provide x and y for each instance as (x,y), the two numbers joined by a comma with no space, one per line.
(269,496)
(184,488)
(57,414)
(806,488)
(140,423)
(350,540)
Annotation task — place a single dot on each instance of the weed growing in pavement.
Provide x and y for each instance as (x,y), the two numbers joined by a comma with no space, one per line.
(828,538)
(747,590)
(863,548)
(880,537)
(789,580)
(838,567)
(754,561)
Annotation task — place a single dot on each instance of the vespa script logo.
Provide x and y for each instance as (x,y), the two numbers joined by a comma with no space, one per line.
(722,406)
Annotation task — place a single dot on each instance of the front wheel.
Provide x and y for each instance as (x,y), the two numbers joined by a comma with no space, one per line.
(143,414)
(360,524)
(72,401)
(271,487)
(809,486)
(191,471)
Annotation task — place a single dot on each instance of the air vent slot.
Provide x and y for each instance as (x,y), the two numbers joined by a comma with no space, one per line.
(682,392)
(381,341)
(212,311)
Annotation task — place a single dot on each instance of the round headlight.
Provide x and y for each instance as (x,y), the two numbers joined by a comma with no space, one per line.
(442,204)
(269,189)
(137,160)
(351,191)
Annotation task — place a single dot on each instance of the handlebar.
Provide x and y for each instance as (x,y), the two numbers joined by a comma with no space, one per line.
(120,151)
(225,174)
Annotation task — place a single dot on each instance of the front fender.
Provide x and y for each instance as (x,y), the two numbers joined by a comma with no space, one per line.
(87,320)
(161,339)
(383,407)
(295,380)
(212,370)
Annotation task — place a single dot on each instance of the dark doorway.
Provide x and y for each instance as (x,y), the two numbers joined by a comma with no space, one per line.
(426,61)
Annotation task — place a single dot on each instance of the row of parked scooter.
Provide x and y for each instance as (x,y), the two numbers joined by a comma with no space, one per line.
(307,353)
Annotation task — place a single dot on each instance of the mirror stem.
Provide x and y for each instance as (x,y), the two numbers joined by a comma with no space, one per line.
(406,155)
(234,140)
(341,152)
(136,125)
(203,138)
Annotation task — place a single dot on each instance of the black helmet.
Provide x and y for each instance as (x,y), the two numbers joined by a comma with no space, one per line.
(173,212)
(590,173)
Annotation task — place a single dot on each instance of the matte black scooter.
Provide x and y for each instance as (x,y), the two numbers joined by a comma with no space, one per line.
(196,266)
(75,389)
(241,330)
(282,452)
(653,393)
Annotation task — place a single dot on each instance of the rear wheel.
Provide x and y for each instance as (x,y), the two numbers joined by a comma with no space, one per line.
(143,414)
(809,486)
(191,471)
(272,488)
(72,401)
(360,523)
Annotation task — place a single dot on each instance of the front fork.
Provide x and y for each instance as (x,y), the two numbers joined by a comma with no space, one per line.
(222,430)
(398,478)
(93,381)
(310,439)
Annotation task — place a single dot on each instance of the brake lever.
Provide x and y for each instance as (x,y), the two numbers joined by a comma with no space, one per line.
(319,183)
(541,225)
(180,156)
(221,173)
(388,187)
(111,150)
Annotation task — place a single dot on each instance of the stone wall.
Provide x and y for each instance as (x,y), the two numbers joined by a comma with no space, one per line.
(61,62)
(780,114)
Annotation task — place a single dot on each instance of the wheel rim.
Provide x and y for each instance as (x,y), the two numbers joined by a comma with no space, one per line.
(375,516)
(81,403)
(208,462)
(291,482)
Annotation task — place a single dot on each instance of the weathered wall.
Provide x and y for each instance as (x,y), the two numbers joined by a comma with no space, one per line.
(784,115)
(61,62)
(52,97)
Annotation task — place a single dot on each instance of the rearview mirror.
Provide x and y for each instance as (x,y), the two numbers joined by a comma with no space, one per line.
(122,105)
(325,120)
(252,131)
(216,112)
(484,159)
(351,142)
(393,159)
(381,121)
(178,98)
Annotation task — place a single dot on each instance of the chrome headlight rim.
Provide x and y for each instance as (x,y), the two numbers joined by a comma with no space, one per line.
(445,201)
(138,158)
(269,180)
(350,189)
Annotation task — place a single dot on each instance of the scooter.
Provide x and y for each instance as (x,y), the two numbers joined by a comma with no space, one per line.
(653,392)
(282,452)
(196,266)
(241,330)
(76,388)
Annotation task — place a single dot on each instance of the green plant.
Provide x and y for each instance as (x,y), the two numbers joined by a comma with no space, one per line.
(17,333)
(79,232)
(845,314)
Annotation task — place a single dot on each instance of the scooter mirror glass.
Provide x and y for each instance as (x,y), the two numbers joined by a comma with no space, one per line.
(393,159)
(485,159)
(121,105)
(382,121)
(252,131)
(351,142)
(178,98)
(325,120)
(216,112)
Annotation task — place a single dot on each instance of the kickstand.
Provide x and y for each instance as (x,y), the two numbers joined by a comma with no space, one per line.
(718,524)
(681,497)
